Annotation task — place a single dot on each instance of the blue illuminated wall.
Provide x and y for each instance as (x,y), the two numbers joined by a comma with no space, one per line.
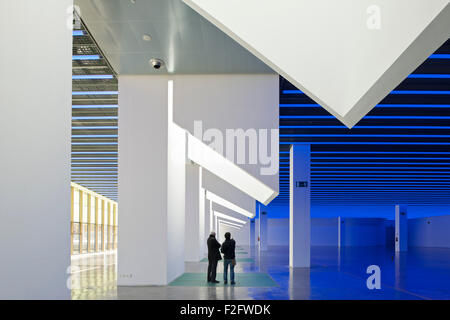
(359,211)
(429,232)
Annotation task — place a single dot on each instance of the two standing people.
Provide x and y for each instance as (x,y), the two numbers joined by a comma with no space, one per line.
(228,250)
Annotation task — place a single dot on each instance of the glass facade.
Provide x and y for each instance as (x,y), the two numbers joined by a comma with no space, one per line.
(93,221)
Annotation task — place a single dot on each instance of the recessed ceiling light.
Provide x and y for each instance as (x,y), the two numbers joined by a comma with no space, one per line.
(146,37)
(133,1)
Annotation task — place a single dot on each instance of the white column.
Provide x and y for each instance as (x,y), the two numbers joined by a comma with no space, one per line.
(257,233)
(341,232)
(194,214)
(252,233)
(299,206)
(202,236)
(207,205)
(152,174)
(263,230)
(401,228)
(35,122)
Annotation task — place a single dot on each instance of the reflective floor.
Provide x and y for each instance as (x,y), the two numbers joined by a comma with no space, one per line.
(421,273)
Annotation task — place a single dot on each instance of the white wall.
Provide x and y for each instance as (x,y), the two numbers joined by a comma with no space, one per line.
(429,232)
(35,122)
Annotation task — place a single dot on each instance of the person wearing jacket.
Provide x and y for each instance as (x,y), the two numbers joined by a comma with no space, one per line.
(213,257)
(229,255)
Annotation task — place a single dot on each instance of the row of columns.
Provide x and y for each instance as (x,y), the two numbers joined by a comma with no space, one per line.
(300,216)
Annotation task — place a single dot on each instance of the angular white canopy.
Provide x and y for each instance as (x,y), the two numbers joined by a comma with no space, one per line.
(347,55)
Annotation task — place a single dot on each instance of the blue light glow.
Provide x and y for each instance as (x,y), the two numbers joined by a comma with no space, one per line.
(86,57)
(381,152)
(439,56)
(92,77)
(429,76)
(370,117)
(77,33)
(392,92)
(383,163)
(349,169)
(379,143)
(305,105)
(368,135)
(365,127)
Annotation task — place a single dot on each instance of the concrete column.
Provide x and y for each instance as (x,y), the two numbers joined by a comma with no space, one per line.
(194,214)
(252,233)
(152,171)
(401,228)
(263,231)
(299,206)
(35,122)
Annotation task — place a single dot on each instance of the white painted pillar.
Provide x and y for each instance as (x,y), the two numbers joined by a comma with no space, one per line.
(341,232)
(194,213)
(257,233)
(208,208)
(152,165)
(202,236)
(211,217)
(401,228)
(263,231)
(35,122)
(216,225)
(252,232)
(299,206)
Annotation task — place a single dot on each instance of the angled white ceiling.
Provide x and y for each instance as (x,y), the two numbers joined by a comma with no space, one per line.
(347,55)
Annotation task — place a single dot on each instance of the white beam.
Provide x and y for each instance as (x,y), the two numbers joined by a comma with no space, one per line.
(228,225)
(227,204)
(225,216)
(225,169)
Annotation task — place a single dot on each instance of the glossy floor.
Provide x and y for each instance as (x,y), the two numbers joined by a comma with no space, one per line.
(421,273)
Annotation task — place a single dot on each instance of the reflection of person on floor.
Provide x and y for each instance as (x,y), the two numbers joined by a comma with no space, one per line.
(228,247)
(213,257)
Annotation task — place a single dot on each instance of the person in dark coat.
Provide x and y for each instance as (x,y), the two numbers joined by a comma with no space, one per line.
(213,257)
(229,256)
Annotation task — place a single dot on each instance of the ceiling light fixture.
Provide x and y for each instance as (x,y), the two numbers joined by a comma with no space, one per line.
(156,63)
(146,37)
